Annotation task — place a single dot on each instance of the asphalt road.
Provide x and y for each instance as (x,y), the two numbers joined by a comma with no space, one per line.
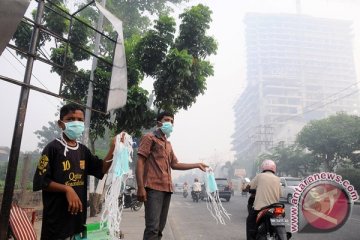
(193,221)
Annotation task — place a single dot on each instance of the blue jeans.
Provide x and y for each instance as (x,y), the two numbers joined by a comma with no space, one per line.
(156,211)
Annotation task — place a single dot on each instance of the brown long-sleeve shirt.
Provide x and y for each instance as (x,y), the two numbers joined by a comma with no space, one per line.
(159,155)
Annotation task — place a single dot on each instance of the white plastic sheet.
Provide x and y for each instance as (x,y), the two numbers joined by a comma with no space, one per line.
(11,13)
(118,86)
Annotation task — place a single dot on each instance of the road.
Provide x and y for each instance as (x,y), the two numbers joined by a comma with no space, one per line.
(189,220)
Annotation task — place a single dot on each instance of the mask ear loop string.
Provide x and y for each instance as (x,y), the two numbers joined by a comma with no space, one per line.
(114,195)
(64,142)
(213,202)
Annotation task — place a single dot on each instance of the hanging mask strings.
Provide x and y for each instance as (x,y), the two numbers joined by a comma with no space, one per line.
(213,202)
(116,180)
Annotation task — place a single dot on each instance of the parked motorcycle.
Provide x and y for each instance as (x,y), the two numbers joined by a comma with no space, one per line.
(271,223)
(195,196)
(130,199)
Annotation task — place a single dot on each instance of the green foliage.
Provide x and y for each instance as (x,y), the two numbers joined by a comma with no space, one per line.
(47,134)
(79,37)
(178,66)
(152,48)
(56,20)
(170,87)
(135,14)
(332,140)
(58,57)
(135,115)
(291,160)
(22,36)
(352,175)
(193,28)
(134,73)
(154,54)
(75,85)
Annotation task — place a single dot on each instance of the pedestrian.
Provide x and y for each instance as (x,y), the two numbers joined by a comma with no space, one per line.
(62,173)
(156,158)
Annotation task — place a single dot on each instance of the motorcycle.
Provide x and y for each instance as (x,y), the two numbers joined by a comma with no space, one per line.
(130,199)
(270,220)
(195,196)
(185,193)
(271,223)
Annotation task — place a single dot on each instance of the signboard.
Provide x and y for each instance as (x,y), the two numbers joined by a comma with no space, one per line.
(240,172)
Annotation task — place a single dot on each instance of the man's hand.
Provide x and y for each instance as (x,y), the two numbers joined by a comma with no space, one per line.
(203,166)
(75,205)
(141,194)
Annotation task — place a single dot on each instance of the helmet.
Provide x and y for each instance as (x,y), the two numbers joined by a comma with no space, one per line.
(268,165)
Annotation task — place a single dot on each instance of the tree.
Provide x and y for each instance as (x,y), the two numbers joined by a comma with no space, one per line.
(228,168)
(332,140)
(291,160)
(135,14)
(47,134)
(178,65)
(189,80)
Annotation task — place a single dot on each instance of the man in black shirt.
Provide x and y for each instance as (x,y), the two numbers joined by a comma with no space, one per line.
(62,176)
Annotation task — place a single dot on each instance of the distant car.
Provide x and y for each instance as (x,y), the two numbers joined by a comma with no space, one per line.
(178,188)
(288,185)
(223,188)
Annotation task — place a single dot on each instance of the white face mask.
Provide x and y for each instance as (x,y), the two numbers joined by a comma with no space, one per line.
(73,130)
(167,128)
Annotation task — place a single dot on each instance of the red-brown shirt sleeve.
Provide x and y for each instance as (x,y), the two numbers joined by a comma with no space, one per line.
(145,145)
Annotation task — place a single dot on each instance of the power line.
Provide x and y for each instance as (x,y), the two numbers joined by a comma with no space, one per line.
(31,74)
(25,67)
(323,105)
(334,94)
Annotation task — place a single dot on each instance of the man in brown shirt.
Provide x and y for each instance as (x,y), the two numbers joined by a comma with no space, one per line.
(156,158)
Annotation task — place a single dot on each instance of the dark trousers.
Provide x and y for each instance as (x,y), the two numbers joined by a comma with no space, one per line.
(251,227)
(156,211)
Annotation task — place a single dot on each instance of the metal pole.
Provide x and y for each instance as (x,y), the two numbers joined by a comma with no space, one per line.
(89,99)
(19,127)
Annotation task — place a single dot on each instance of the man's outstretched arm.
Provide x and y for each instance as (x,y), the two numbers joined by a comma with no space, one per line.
(187,166)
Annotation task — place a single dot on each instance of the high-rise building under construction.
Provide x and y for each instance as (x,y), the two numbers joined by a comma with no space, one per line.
(299,68)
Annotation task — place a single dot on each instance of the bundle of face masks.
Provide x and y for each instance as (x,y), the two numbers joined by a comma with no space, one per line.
(213,202)
(116,181)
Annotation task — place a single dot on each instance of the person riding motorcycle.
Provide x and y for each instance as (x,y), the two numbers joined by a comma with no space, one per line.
(185,189)
(185,186)
(196,189)
(267,186)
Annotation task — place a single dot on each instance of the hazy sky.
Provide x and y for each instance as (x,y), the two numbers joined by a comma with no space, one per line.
(204,131)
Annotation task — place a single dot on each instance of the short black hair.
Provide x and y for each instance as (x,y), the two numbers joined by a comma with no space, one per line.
(71,107)
(163,114)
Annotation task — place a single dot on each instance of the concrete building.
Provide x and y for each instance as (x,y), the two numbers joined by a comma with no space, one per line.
(299,68)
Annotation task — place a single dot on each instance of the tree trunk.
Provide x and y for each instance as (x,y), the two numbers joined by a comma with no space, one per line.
(327,166)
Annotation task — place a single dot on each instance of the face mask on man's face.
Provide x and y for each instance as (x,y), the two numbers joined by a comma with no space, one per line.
(167,128)
(73,130)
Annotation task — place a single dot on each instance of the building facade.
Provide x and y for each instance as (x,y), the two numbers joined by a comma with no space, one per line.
(299,68)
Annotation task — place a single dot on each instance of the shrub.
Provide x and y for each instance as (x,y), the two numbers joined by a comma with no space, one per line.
(352,175)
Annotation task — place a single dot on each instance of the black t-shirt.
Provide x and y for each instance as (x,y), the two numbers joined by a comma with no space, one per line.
(69,166)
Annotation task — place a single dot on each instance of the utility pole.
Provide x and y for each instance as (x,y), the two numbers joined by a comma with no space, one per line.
(89,101)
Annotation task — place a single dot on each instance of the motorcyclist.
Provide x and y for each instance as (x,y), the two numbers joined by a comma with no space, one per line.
(196,189)
(185,187)
(267,186)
